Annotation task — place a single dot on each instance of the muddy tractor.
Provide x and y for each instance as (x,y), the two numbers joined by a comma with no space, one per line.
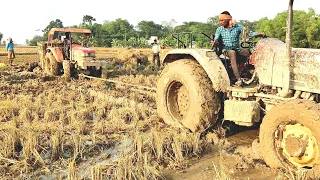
(63,54)
(281,95)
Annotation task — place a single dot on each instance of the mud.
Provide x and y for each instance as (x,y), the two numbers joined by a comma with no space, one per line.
(231,158)
(99,120)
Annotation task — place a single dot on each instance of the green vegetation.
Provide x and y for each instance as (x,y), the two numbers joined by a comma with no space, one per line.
(306,28)
(120,33)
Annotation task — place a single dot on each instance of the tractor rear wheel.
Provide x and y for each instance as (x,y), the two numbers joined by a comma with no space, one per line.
(289,135)
(185,96)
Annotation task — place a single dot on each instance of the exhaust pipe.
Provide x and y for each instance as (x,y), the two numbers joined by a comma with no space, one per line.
(286,75)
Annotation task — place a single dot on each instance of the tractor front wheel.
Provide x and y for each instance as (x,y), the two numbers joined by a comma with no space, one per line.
(96,72)
(51,64)
(185,96)
(66,70)
(290,137)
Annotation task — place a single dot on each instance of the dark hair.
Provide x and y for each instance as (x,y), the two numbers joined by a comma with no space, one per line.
(226,12)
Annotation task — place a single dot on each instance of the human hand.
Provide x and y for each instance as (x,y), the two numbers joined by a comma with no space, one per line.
(213,42)
(263,34)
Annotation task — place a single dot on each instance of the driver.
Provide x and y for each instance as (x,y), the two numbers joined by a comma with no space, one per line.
(229,34)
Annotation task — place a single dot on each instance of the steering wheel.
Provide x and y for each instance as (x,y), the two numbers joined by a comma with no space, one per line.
(250,44)
(217,48)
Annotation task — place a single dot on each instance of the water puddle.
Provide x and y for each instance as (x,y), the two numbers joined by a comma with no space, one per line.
(106,157)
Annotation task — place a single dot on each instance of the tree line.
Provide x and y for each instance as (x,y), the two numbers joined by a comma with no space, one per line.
(119,32)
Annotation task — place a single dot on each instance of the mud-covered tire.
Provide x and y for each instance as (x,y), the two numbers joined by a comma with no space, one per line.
(46,64)
(42,62)
(185,96)
(96,72)
(51,65)
(306,113)
(66,70)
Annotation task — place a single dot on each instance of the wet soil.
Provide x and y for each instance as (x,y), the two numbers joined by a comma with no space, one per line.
(233,157)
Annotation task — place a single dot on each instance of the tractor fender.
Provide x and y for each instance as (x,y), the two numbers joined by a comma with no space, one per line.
(208,60)
(57,53)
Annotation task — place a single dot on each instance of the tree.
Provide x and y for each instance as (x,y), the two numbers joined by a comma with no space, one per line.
(149,28)
(34,40)
(248,24)
(119,29)
(87,19)
(53,24)
(99,36)
(168,41)
(214,21)
(199,39)
(168,26)
(306,28)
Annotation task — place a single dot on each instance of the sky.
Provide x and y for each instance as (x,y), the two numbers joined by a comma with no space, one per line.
(22,18)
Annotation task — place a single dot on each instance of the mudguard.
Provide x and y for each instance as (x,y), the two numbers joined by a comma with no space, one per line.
(57,53)
(209,61)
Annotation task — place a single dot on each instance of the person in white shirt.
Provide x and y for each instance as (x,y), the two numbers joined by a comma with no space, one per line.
(156,50)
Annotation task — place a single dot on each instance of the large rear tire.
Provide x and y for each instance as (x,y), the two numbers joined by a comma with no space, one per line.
(289,135)
(185,96)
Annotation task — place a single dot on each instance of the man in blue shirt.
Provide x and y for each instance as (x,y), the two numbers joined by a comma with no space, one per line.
(10,49)
(229,34)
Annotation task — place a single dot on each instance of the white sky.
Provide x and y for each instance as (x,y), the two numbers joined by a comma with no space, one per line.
(21,18)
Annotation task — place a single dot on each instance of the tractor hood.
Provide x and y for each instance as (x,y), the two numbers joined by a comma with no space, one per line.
(270,60)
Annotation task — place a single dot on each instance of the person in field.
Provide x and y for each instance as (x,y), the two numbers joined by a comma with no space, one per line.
(10,49)
(156,51)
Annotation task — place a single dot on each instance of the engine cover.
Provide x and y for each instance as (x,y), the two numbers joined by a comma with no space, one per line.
(270,59)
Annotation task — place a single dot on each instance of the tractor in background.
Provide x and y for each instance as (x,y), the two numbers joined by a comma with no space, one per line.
(62,54)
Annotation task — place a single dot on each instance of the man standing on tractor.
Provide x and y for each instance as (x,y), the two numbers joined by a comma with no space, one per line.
(229,34)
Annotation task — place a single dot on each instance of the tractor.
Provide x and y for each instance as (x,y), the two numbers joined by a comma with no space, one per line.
(62,54)
(281,96)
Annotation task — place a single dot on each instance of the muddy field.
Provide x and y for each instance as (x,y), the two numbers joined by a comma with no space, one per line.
(93,129)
